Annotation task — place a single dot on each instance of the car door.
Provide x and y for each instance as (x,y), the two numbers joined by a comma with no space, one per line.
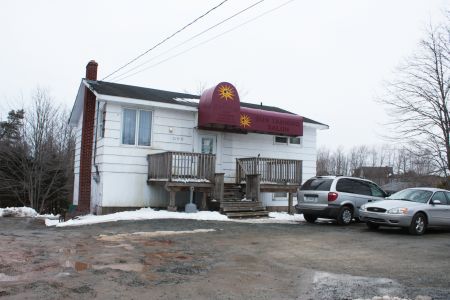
(377,192)
(447,211)
(437,212)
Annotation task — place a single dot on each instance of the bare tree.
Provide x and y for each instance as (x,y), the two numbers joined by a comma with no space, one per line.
(36,166)
(417,101)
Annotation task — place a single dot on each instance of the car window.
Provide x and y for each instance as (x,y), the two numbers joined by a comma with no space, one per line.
(376,191)
(441,197)
(317,184)
(353,186)
(448,197)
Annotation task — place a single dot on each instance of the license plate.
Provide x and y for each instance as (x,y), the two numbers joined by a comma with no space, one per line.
(310,199)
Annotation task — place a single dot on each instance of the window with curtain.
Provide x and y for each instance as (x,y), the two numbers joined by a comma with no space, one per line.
(136,127)
(145,121)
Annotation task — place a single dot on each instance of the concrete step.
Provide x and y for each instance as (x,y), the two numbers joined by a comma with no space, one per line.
(248,214)
(240,203)
(241,209)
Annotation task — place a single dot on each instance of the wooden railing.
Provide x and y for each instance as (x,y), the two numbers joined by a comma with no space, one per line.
(272,170)
(181,166)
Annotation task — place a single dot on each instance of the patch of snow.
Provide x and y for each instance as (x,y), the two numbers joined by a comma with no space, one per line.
(18,212)
(141,214)
(187,180)
(151,214)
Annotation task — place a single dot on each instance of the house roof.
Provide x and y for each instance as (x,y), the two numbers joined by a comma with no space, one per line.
(136,92)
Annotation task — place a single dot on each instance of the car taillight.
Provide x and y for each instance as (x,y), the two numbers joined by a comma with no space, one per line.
(332,196)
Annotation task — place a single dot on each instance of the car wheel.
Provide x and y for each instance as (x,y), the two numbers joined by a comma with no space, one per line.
(310,218)
(418,224)
(345,216)
(372,226)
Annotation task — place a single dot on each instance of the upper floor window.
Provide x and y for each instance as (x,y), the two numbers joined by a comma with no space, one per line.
(136,127)
(288,140)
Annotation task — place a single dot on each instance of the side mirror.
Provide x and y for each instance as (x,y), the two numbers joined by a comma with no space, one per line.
(435,202)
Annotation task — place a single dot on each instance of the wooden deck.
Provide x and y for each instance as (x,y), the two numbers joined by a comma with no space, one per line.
(271,170)
(182,171)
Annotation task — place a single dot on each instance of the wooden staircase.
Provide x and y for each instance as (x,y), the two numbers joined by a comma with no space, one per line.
(234,207)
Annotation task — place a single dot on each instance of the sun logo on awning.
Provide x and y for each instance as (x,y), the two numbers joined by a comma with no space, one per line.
(226,92)
(246,121)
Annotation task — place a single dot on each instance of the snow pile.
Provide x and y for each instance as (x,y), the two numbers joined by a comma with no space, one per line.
(141,214)
(18,212)
(151,214)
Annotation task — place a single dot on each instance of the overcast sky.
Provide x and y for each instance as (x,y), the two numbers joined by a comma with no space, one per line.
(325,60)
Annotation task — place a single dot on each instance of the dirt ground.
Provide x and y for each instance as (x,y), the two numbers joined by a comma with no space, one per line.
(186,259)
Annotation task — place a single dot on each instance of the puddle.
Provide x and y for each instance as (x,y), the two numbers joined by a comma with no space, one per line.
(151,234)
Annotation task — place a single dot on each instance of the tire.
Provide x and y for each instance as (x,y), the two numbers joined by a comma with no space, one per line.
(372,226)
(345,216)
(418,224)
(310,218)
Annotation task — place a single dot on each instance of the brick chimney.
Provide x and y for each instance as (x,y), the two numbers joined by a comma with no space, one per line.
(87,139)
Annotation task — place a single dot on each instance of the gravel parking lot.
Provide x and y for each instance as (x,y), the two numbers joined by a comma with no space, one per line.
(189,259)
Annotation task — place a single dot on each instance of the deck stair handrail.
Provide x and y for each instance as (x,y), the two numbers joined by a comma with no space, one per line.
(181,166)
(272,170)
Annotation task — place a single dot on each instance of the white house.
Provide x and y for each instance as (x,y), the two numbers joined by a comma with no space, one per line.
(131,141)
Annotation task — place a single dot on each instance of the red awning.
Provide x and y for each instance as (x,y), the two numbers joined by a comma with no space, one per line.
(220,108)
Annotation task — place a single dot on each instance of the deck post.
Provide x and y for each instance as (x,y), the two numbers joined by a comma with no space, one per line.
(172,206)
(203,205)
(291,203)
(252,187)
(218,186)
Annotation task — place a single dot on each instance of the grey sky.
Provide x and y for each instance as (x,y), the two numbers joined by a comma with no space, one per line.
(325,60)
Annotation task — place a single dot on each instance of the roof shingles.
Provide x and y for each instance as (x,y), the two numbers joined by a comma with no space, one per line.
(135,92)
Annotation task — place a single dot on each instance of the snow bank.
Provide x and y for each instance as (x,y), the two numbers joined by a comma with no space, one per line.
(141,214)
(18,212)
(151,214)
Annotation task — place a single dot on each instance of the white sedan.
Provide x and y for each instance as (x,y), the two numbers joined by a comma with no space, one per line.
(415,209)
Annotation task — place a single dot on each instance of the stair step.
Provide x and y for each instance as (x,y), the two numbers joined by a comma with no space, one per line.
(239,203)
(252,214)
(241,209)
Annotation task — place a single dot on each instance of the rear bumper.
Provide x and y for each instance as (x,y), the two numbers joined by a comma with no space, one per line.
(320,211)
(385,219)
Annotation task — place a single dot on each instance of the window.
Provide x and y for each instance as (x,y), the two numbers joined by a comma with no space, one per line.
(448,197)
(295,140)
(279,196)
(281,140)
(317,184)
(353,186)
(136,125)
(101,122)
(288,140)
(441,197)
(376,191)
(208,145)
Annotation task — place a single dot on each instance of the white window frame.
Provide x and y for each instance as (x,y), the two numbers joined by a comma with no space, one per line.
(288,140)
(136,133)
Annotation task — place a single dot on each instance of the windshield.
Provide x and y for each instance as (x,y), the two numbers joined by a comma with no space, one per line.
(413,195)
